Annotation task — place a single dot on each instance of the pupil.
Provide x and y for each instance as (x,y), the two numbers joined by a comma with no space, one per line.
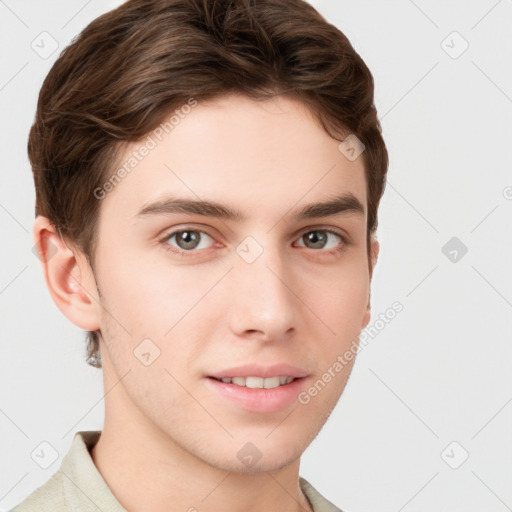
(314,238)
(189,238)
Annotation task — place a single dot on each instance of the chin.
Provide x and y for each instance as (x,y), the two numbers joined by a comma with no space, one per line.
(240,455)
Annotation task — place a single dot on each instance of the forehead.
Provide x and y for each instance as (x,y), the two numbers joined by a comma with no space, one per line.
(261,158)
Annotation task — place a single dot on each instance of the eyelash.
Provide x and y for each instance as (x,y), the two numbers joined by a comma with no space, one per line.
(180,252)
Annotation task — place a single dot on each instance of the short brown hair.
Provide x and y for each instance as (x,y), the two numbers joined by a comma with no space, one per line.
(130,67)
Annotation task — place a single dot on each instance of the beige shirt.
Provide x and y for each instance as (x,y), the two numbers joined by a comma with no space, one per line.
(78,486)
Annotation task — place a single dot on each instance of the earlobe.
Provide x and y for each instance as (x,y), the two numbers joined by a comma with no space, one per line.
(367,313)
(374,255)
(68,276)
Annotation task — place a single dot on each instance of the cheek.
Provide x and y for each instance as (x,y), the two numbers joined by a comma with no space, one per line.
(151,294)
(341,294)
(165,303)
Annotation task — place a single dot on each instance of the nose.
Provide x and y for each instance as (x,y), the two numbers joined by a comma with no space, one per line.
(263,304)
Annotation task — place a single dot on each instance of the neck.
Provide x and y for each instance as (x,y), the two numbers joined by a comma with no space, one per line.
(146,470)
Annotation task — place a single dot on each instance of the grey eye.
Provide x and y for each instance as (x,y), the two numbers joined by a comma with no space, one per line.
(188,239)
(318,238)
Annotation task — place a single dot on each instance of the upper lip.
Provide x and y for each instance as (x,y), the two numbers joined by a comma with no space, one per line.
(256,370)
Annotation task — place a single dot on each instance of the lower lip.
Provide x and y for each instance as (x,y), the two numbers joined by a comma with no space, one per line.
(259,400)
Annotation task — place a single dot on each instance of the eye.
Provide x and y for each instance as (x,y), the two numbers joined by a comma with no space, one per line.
(189,240)
(186,240)
(319,239)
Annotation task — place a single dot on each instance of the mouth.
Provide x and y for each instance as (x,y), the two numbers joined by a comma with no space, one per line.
(258,389)
(254,382)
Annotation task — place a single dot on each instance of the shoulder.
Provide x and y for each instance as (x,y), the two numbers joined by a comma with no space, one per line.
(69,488)
(49,497)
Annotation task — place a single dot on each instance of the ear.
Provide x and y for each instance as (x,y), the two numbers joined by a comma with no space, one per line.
(375,248)
(68,275)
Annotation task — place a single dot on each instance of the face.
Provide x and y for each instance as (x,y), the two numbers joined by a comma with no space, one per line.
(251,289)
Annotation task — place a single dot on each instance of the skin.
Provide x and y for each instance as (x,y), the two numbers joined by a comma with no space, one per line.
(296,303)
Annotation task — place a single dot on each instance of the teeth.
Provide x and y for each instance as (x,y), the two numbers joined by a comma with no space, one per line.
(271,382)
(255,382)
(258,382)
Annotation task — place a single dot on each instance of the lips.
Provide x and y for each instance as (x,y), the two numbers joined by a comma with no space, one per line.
(264,372)
(257,400)
(259,388)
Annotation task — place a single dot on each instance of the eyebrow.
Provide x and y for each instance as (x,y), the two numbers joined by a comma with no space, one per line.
(340,204)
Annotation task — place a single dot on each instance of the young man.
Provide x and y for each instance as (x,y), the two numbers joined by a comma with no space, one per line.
(207,175)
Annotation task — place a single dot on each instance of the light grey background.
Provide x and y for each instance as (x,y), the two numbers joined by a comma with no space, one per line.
(438,373)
